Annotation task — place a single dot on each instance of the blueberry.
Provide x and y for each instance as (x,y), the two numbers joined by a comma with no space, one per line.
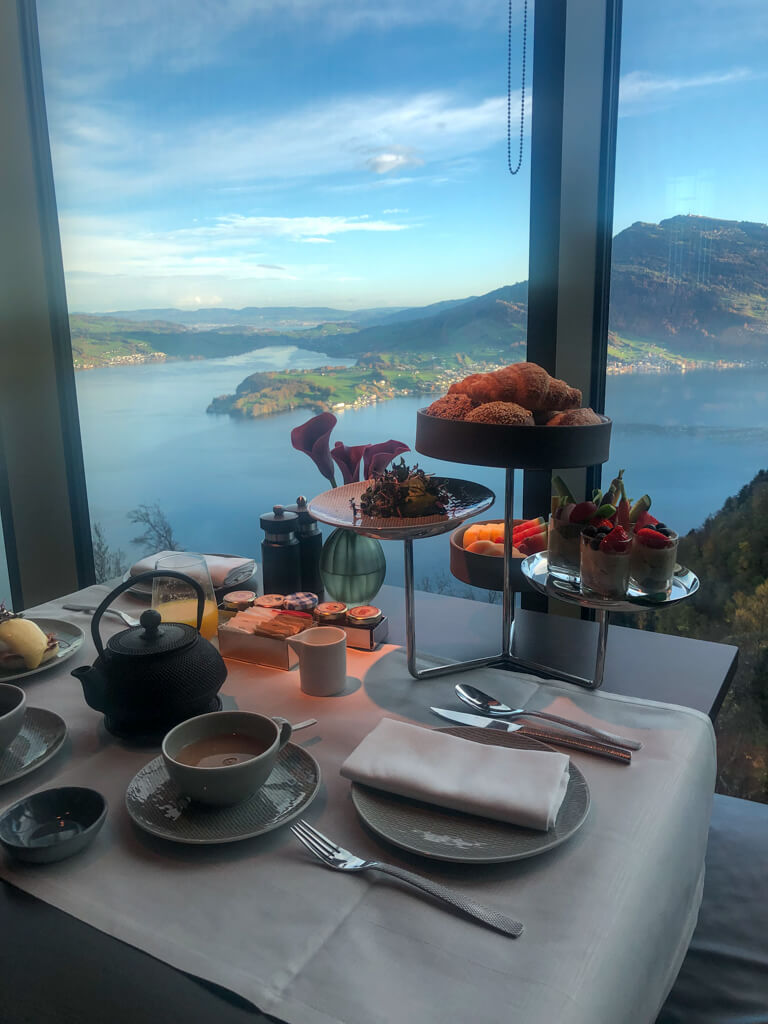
(660,527)
(604,529)
(590,531)
(664,531)
(595,544)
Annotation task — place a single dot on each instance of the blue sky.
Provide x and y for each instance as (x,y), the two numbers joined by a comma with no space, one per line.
(351,153)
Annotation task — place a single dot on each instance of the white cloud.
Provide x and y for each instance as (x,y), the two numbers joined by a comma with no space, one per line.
(638,86)
(327,138)
(384,163)
(394,209)
(317,241)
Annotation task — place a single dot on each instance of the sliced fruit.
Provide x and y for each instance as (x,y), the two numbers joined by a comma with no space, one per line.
(612,495)
(617,540)
(583,511)
(486,547)
(533,544)
(597,523)
(606,511)
(526,529)
(562,491)
(644,519)
(653,539)
(641,505)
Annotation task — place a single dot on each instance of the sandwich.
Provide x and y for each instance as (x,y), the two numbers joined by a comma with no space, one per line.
(23,645)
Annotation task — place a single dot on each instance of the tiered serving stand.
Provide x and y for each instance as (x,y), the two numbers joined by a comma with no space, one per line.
(508,448)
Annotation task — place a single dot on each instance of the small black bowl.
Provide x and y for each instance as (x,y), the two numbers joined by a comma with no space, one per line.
(53,824)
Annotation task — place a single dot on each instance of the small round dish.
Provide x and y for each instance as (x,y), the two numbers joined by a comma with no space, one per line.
(535,569)
(53,824)
(465,499)
(443,834)
(70,638)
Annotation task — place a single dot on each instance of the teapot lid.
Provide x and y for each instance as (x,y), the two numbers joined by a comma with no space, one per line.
(153,636)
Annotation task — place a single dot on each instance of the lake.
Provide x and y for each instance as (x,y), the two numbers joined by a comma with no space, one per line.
(690,441)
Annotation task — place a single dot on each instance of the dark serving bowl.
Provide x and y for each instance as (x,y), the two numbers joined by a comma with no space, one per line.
(521,447)
(53,824)
(486,571)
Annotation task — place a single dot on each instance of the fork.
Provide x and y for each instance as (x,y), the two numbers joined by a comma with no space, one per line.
(129,620)
(336,857)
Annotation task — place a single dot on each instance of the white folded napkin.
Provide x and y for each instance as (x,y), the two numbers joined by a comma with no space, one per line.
(521,787)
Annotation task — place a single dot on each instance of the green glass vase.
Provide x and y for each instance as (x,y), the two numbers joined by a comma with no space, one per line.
(352,567)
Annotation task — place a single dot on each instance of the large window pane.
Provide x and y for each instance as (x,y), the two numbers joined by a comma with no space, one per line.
(688,388)
(243,191)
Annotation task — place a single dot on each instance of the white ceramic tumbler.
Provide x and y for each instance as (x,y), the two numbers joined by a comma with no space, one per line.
(322,652)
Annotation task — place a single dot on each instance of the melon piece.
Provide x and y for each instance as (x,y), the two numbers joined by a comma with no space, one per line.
(486,547)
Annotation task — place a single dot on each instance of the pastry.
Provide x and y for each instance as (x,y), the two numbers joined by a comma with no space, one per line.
(561,395)
(507,413)
(524,383)
(480,387)
(23,645)
(574,418)
(451,407)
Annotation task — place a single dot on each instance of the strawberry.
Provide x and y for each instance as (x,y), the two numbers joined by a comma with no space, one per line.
(645,519)
(617,541)
(597,523)
(583,511)
(653,539)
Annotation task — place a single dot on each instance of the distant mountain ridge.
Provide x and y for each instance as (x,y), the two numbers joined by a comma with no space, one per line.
(693,286)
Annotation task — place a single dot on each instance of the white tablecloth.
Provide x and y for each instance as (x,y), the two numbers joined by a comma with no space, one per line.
(608,915)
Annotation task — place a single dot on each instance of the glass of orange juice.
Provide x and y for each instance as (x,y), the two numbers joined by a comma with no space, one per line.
(176,601)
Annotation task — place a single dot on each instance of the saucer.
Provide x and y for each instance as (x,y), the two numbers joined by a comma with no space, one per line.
(155,804)
(41,736)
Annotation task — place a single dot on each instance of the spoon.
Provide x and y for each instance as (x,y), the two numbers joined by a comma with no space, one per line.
(303,725)
(488,705)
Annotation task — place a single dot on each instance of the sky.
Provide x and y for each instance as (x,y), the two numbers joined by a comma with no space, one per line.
(352,153)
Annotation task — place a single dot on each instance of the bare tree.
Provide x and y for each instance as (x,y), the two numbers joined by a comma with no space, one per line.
(158,532)
(107,563)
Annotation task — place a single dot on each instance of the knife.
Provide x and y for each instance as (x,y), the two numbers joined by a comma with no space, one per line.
(585,745)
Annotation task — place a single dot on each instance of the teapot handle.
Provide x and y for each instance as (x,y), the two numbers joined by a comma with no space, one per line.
(131,582)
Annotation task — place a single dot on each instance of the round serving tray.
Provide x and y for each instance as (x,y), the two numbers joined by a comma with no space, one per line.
(536,570)
(466,499)
(523,447)
(486,571)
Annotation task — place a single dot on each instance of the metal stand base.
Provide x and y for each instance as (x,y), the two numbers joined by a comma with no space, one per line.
(506,657)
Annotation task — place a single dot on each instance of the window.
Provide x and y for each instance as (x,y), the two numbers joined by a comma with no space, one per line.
(244,194)
(5,583)
(688,384)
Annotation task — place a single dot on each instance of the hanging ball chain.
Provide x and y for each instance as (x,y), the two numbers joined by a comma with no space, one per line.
(509,89)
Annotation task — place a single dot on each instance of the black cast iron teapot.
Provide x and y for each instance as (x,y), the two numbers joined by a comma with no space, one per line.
(152,676)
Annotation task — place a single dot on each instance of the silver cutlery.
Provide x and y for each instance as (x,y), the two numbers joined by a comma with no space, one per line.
(303,725)
(563,739)
(488,705)
(129,620)
(336,857)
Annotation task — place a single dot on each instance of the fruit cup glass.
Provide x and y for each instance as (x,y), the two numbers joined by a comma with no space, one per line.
(603,573)
(652,566)
(563,548)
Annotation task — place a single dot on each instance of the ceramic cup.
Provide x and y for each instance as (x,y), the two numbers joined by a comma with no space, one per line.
(13,704)
(322,654)
(227,784)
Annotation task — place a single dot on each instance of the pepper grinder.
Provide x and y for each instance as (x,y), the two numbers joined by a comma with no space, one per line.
(280,552)
(310,546)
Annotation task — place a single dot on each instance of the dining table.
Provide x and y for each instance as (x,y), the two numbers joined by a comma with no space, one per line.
(138,928)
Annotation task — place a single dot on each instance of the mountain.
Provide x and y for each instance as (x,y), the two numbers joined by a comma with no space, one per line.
(276,318)
(693,283)
(490,325)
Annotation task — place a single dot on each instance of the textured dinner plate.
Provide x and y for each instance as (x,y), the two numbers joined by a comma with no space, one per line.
(41,736)
(452,835)
(465,499)
(155,804)
(70,638)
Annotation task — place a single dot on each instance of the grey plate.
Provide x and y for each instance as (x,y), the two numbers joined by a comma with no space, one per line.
(155,804)
(535,568)
(452,835)
(41,736)
(466,499)
(70,638)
